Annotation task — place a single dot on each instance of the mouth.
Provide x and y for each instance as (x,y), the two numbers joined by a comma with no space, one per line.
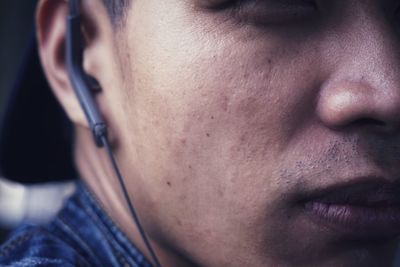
(366,209)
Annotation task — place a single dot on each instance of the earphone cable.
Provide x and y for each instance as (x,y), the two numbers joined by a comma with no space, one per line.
(129,202)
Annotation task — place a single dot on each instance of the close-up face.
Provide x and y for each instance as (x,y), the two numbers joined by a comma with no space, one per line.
(259,133)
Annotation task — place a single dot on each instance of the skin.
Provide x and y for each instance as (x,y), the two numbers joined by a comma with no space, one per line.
(222,121)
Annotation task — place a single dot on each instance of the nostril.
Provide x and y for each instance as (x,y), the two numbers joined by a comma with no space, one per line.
(368,122)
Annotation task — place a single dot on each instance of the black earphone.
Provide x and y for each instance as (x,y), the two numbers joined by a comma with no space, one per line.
(80,84)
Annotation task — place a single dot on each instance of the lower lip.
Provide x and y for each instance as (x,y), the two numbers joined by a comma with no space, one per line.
(357,221)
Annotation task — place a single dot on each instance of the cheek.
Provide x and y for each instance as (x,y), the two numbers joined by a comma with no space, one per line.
(207,92)
(207,126)
(208,103)
(215,122)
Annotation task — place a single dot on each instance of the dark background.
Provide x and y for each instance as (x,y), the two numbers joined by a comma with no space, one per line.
(16,26)
(35,136)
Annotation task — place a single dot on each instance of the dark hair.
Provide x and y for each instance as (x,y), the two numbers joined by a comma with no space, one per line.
(116,9)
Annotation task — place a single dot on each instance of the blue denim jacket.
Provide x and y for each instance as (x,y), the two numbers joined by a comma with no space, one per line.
(81,235)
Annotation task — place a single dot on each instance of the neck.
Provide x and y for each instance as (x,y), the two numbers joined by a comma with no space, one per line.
(96,170)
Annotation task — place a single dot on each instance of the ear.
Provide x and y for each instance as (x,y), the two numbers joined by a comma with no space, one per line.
(51,33)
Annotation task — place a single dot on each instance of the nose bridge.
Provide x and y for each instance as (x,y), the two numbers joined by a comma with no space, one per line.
(366,82)
(371,50)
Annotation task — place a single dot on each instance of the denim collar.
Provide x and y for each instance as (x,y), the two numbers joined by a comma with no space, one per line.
(88,227)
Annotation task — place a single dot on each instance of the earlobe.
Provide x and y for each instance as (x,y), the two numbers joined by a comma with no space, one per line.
(51,33)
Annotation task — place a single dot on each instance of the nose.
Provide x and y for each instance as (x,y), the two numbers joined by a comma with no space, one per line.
(363,91)
(347,104)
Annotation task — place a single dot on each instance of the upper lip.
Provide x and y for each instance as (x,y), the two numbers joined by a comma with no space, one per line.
(363,191)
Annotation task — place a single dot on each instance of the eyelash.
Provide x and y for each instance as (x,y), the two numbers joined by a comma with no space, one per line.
(264,12)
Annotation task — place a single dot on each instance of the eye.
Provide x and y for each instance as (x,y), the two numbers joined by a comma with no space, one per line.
(267,12)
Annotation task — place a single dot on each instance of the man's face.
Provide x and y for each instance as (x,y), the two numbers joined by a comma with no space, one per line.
(261,133)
